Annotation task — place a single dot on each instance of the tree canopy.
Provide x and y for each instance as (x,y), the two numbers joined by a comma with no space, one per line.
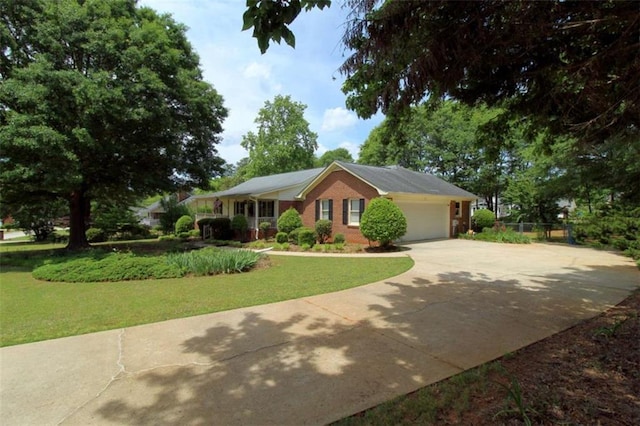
(283,143)
(100,100)
(339,154)
(571,66)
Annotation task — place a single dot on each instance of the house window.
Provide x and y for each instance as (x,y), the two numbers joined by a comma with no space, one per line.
(352,209)
(239,207)
(324,209)
(266,208)
(458,210)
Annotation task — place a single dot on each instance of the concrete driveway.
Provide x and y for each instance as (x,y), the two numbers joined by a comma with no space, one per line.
(317,359)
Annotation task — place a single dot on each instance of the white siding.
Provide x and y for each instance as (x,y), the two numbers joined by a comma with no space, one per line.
(425,221)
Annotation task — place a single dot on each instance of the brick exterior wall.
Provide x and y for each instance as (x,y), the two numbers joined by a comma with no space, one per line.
(283,206)
(339,185)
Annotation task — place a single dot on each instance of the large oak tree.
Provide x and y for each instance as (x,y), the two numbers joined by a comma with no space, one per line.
(100,100)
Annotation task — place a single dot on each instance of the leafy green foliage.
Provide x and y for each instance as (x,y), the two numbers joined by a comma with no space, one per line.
(498,236)
(383,221)
(483,218)
(306,236)
(96,235)
(282,237)
(542,62)
(265,227)
(101,101)
(289,220)
(338,154)
(339,238)
(323,230)
(99,266)
(211,261)
(283,143)
(184,224)
(173,211)
(37,218)
(271,19)
(618,227)
(112,218)
(240,225)
(220,228)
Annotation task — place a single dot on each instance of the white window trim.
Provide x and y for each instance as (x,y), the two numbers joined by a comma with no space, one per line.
(324,213)
(352,211)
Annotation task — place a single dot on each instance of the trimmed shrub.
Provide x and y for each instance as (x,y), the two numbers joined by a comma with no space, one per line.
(306,236)
(289,220)
(483,218)
(184,224)
(264,227)
(100,266)
(293,235)
(240,225)
(323,230)
(383,221)
(220,228)
(95,235)
(338,239)
(282,237)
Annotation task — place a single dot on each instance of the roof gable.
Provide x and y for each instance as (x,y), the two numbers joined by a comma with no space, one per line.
(393,180)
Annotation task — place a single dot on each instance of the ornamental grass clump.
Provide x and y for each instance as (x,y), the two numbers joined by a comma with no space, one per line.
(211,261)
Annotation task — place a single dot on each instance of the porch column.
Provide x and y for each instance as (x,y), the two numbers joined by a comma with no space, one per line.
(256,219)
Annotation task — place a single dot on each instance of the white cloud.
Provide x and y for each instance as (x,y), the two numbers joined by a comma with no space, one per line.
(337,119)
(256,70)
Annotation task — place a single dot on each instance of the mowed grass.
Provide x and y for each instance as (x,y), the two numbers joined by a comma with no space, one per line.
(32,310)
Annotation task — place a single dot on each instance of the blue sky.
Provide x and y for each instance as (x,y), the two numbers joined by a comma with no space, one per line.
(232,63)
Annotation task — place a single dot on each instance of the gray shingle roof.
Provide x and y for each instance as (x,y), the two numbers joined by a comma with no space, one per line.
(400,180)
(265,184)
(393,179)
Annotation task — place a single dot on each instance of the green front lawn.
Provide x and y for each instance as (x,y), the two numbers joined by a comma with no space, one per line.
(33,310)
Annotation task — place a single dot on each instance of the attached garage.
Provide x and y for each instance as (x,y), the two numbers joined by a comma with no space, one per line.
(425,221)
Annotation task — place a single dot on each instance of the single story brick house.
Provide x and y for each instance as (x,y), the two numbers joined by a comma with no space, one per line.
(340,192)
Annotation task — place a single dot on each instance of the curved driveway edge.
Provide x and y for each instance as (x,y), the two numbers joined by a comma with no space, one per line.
(317,359)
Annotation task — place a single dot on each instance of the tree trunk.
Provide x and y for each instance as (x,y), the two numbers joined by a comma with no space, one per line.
(78,212)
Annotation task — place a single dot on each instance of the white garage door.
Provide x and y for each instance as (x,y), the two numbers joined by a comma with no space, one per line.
(425,221)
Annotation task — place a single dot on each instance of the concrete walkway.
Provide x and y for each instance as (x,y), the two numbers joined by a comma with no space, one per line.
(317,359)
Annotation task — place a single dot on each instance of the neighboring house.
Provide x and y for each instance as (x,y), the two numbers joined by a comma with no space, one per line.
(150,215)
(340,192)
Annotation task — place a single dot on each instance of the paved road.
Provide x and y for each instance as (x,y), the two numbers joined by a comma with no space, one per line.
(316,359)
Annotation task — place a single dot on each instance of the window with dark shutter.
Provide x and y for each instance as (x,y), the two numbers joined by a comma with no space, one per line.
(330,209)
(317,210)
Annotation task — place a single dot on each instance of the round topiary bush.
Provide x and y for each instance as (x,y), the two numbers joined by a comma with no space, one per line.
(184,224)
(282,237)
(338,239)
(483,218)
(289,220)
(383,221)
